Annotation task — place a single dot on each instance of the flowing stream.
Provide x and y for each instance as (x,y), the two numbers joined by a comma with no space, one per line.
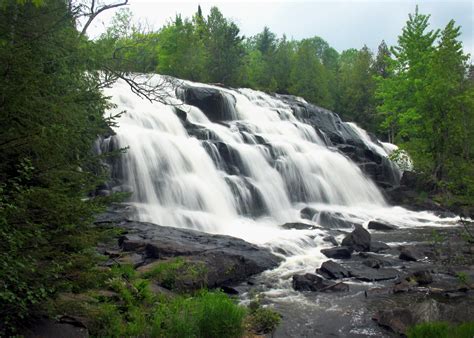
(247,176)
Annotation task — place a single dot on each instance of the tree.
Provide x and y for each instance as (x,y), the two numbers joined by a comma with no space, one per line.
(308,76)
(356,88)
(51,111)
(430,99)
(447,103)
(399,93)
(225,50)
(381,65)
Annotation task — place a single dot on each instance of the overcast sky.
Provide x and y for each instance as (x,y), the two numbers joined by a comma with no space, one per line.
(343,24)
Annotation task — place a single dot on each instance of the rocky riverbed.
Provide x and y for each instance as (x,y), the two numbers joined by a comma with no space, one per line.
(375,282)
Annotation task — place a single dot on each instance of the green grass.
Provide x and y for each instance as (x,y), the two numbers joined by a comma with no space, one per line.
(208,314)
(130,308)
(179,274)
(442,330)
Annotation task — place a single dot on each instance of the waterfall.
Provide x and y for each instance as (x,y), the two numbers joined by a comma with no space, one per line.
(245,164)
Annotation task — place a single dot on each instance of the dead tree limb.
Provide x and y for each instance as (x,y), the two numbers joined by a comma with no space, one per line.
(94,12)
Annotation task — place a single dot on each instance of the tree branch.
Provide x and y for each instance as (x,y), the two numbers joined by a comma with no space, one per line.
(94,12)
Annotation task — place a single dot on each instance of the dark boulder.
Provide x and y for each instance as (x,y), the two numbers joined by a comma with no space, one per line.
(298,226)
(216,105)
(409,179)
(376,246)
(228,260)
(182,115)
(370,168)
(410,254)
(333,220)
(340,252)
(311,282)
(308,213)
(64,327)
(376,225)
(332,270)
(400,317)
(367,274)
(359,239)
(422,277)
(331,240)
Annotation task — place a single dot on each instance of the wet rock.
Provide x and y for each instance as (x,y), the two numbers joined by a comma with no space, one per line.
(422,277)
(311,282)
(403,286)
(372,263)
(333,220)
(298,226)
(376,225)
(340,252)
(229,290)
(215,104)
(182,115)
(331,240)
(410,254)
(373,260)
(133,259)
(359,239)
(227,260)
(308,213)
(367,274)
(398,320)
(160,291)
(332,270)
(57,329)
(116,213)
(376,246)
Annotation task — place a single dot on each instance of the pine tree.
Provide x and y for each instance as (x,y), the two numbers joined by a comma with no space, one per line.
(399,93)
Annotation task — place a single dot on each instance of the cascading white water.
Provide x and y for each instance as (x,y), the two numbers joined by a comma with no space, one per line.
(247,176)
(176,182)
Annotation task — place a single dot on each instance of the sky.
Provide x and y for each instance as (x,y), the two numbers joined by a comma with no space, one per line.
(343,24)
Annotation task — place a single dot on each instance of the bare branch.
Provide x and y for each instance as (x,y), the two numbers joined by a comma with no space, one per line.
(93,12)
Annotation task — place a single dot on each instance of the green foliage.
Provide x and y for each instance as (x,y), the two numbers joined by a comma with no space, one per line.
(51,112)
(261,320)
(132,309)
(208,314)
(308,75)
(426,103)
(179,274)
(356,88)
(441,330)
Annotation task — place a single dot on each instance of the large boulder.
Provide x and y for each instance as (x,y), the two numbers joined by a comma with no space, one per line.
(368,274)
(332,270)
(340,252)
(377,246)
(311,282)
(217,105)
(358,240)
(227,260)
(410,254)
(376,225)
(421,277)
(308,213)
(298,226)
(333,220)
